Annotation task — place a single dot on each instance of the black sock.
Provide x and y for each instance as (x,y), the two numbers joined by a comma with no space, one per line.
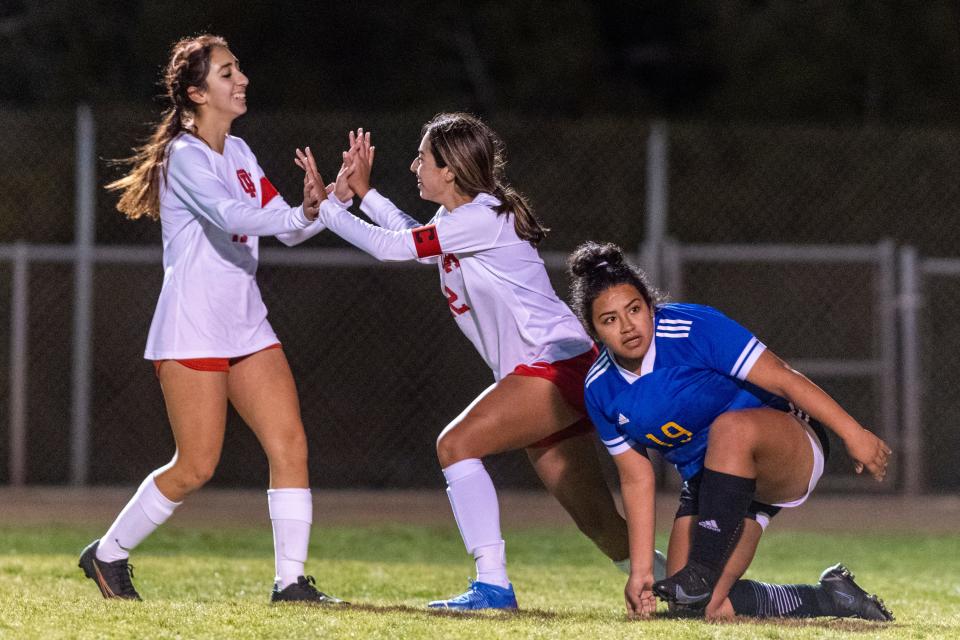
(724,500)
(762,600)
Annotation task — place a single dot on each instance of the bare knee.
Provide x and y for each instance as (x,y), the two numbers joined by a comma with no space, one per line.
(733,430)
(455,444)
(289,451)
(190,476)
(450,448)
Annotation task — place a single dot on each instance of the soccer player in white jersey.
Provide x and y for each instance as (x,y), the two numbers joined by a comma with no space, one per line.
(745,431)
(210,340)
(483,241)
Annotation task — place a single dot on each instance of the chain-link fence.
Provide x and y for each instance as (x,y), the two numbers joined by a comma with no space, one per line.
(380,366)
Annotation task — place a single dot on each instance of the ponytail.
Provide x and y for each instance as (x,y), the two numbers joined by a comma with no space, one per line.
(476,156)
(524,221)
(188,67)
(140,189)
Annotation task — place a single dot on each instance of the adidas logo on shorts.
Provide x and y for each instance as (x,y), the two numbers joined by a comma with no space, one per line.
(622,419)
(710,524)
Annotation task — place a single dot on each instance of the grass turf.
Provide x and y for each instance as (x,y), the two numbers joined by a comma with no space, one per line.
(214,583)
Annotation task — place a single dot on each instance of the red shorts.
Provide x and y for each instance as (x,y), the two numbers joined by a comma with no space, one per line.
(221,365)
(569,376)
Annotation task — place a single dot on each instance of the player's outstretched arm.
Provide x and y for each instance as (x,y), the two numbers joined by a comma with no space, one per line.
(638,485)
(867,450)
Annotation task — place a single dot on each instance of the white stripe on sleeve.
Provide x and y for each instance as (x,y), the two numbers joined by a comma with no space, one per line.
(748,358)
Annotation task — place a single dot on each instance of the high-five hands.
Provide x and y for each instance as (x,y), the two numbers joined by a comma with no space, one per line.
(312,196)
(360,159)
(352,178)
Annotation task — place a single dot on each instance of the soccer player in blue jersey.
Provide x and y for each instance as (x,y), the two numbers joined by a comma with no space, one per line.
(745,431)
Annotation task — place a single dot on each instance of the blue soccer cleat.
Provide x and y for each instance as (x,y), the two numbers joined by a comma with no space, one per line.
(480,595)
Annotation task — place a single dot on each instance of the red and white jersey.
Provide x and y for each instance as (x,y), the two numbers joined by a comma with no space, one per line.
(495,283)
(212,208)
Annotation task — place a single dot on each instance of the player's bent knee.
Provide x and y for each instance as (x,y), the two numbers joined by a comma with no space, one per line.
(732,429)
(455,445)
(192,477)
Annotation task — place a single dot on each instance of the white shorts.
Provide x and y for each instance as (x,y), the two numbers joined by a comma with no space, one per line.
(815,473)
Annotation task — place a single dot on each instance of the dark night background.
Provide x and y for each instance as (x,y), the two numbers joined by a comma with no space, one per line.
(783,60)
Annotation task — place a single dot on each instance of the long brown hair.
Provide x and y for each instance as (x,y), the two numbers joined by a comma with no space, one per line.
(476,156)
(187,67)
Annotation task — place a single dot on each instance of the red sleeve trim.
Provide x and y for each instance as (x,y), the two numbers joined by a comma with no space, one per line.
(426,241)
(267,191)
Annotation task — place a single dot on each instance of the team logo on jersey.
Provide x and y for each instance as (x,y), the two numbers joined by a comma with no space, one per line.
(246,183)
(622,419)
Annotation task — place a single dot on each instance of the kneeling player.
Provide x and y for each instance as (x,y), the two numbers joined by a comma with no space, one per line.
(744,430)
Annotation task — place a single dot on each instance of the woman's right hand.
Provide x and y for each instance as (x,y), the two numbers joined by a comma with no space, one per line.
(361,161)
(638,593)
(313,190)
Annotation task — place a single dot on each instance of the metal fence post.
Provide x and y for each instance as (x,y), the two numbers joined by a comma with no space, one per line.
(911,390)
(657,198)
(887,337)
(19,334)
(85,201)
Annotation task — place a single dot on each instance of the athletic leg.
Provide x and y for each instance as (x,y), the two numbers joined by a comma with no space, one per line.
(196,407)
(511,414)
(570,470)
(759,453)
(262,389)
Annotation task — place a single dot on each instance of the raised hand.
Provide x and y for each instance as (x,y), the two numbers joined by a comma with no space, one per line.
(313,191)
(341,188)
(868,452)
(360,155)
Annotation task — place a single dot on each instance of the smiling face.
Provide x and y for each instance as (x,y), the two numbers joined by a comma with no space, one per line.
(624,323)
(225,94)
(435,183)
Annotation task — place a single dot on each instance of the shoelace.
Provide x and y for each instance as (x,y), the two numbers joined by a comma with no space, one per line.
(309,583)
(124,575)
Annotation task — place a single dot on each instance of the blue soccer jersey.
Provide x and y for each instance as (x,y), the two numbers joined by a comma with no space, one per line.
(694,370)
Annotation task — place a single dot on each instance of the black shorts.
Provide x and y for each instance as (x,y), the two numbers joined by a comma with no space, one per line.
(690,492)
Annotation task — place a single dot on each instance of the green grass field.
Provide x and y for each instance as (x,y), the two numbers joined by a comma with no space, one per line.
(214,583)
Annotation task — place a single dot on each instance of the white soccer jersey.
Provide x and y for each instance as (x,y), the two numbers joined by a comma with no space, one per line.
(212,208)
(495,283)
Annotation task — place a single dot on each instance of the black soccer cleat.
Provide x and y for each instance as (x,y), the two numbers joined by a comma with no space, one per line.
(849,599)
(303,590)
(691,587)
(113,578)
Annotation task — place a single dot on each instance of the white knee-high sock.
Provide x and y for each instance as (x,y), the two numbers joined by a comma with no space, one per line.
(291,514)
(147,510)
(477,512)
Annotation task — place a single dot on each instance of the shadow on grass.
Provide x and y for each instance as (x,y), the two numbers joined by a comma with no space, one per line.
(848,625)
(497,614)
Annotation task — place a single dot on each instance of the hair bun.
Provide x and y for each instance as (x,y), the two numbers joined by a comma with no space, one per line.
(591,256)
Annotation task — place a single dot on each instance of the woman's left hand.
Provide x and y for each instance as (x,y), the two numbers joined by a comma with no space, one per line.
(869,452)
